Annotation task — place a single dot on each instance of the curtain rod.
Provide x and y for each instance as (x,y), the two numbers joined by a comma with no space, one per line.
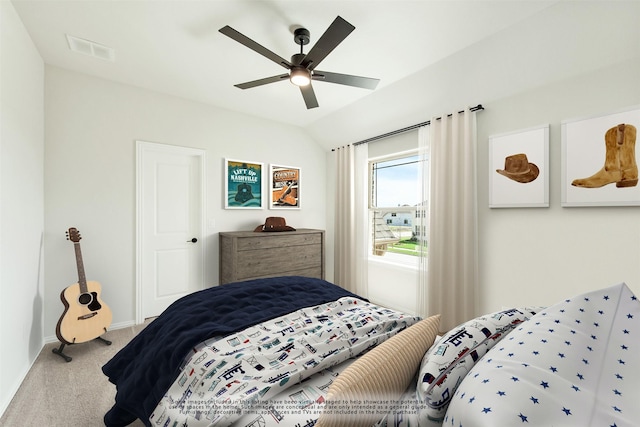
(408,128)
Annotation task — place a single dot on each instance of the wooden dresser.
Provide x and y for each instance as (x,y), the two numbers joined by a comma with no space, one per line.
(248,255)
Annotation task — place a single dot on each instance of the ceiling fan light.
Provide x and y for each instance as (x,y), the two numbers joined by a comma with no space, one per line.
(300,77)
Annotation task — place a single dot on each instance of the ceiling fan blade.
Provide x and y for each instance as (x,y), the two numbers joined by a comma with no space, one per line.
(345,79)
(260,82)
(242,39)
(335,34)
(309,96)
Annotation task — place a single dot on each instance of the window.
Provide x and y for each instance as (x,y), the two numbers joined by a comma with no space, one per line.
(394,206)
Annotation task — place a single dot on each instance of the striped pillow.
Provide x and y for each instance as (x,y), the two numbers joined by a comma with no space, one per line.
(357,397)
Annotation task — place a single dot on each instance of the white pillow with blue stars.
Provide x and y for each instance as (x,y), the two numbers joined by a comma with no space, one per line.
(575,363)
(452,357)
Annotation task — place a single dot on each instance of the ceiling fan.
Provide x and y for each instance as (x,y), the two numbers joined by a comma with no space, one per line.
(302,68)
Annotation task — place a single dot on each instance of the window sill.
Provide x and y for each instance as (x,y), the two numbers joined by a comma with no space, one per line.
(396,260)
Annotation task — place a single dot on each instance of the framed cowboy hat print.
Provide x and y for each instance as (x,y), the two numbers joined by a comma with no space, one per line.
(518,171)
(243,184)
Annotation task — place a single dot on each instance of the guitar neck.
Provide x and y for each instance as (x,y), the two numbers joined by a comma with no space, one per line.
(82,279)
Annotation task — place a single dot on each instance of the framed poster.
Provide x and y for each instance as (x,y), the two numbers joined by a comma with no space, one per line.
(243,184)
(284,191)
(518,168)
(599,160)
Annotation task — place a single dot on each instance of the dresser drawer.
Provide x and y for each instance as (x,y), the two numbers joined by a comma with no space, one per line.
(250,255)
(281,240)
(261,262)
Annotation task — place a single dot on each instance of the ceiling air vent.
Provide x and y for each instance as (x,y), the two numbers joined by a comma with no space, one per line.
(87,47)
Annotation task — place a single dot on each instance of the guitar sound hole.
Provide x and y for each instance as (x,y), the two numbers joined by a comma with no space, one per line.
(85,299)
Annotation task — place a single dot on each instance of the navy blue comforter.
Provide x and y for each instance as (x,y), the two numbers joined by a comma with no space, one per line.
(144,369)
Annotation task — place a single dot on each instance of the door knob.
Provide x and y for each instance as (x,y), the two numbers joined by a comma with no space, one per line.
(192,240)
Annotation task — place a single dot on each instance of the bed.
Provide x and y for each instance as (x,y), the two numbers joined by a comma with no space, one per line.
(144,369)
(303,352)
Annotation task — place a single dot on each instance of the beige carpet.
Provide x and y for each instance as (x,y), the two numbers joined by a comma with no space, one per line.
(75,394)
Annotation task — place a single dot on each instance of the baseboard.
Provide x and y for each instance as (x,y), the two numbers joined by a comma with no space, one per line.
(16,386)
(114,326)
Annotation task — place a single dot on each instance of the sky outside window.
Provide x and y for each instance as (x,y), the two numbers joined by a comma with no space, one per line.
(396,182)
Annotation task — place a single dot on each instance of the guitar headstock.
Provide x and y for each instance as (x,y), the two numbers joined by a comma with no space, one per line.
(74,235)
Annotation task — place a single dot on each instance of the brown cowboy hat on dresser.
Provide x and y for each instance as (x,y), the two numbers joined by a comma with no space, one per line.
(518,168)
(274,223)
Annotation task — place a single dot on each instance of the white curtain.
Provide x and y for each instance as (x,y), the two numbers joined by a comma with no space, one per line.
(452,271)
(351,219)
(422,222)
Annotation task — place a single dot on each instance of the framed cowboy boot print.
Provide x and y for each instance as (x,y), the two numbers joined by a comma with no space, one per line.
(600,160)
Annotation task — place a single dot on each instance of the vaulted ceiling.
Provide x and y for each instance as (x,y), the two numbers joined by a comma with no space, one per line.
(175,47)
(413,46)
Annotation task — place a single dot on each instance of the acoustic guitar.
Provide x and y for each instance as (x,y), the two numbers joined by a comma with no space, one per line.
(85,315)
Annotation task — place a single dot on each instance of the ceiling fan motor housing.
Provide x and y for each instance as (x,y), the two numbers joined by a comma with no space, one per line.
(296,59)
(301,36)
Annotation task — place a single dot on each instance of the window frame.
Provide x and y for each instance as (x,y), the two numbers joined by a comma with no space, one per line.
(395,259)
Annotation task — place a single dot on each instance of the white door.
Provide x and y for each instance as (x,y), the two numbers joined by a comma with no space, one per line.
(170,247)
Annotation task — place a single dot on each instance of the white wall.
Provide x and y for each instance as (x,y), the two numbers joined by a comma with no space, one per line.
(91,129)
(21,208)
(541,255)
(538,256)
(593,47)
